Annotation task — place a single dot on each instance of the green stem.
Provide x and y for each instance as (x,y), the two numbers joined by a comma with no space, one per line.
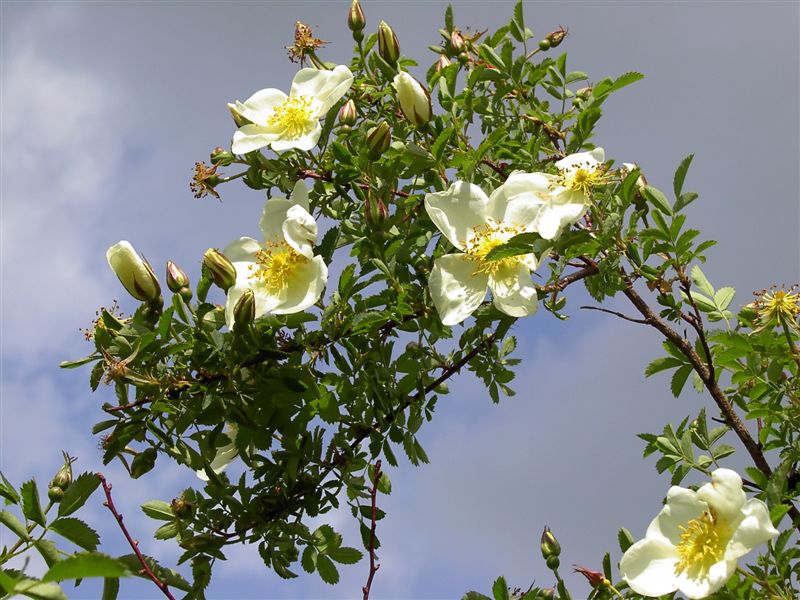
(792,348)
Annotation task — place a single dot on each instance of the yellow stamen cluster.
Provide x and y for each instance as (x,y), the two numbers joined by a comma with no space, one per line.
(702,544)
(487,238)
(583,177)
(294,117)
(777,306)
(276,264)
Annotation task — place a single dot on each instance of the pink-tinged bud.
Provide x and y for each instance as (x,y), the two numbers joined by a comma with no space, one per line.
(442,62)
(379,138)
(135,274)
(244,312)
(415,101)
(178,281)
(356,20)
(220,156)
(549,544)
(595,578)
(388,46)
(457,42)
(556,37)
(348,113)
(375,213)
(220,268)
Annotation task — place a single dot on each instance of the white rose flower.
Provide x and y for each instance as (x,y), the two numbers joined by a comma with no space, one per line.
(475,224)
(135,274)
(283,122)
(694,542)
(225,454)
(415,101)
(282,271)
(564,198)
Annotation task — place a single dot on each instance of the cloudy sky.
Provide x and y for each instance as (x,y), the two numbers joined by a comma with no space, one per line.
(107,105)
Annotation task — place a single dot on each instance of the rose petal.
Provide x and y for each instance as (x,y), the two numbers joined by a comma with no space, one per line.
(304,287)
(457,211)
(754,529)
(324,87)
(456,289)
(514,292)
(704,583)
(649,567)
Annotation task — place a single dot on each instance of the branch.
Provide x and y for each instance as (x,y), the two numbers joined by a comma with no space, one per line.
(587,271)
(373,568)
(142,402)
(500,169)
(133,543)
(615,313)
(311,174)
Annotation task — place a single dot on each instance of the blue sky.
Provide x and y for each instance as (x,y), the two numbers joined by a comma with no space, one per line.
(107,105)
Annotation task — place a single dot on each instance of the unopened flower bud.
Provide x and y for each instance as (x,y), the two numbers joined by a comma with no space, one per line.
(549,544)
(415,101)
(584,92)
(348,113)
(379,138)
(177,281)
(547,594)
(388,46)
(55,494)
(356,20)
(135,274)
(442,62)
(244,312)
(375,213)
(629,168)
(63,478)
(595,578)
(556,37)
(457,42)
(220,156)
(220,268)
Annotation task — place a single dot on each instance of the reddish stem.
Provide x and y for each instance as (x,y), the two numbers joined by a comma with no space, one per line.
(373,568)
(133,543)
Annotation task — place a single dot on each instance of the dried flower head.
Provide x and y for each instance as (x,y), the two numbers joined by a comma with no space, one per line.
(305,44)
(98,323)
(204,180)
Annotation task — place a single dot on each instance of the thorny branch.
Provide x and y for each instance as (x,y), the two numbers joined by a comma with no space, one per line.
(132,542)
(373,568)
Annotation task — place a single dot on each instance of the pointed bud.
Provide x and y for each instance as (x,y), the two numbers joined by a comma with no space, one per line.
(556,37)
(244,312)
(595,578)
(457,42)
(220,268)
(379,138)
(442,62)
(356,20)
(63,478)
(388,46)
(348,113)
(415,101)
(375,213)
(549,544)
(177,281)
(135,274)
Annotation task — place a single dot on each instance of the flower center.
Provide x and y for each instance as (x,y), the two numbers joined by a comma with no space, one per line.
(485,239)
(702,544)
(294,116)
(582,177)
(275,266)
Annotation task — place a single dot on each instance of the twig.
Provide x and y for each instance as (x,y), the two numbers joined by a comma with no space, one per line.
(133,543)
(500,169)
(587,271)
(141,402)
(373,568)
(311,174)
(615,313)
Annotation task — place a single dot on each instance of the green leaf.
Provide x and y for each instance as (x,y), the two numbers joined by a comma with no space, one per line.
(625,539)
(77,532)
(31,507)
(110,588)
(701,281)
(167,531)
(158,509)
(78,493)
(309,559)
(500,589)
(776,487)
(327,570)
(8,491)
(38,590)
(685,200)
(48,551)
(723,297)
(679,379)
(14,524)
(625,80)
(346,555)
(86,564)
(519,244)
(680,175)
(72,364)
(662,364)
(475,596)
(657,199)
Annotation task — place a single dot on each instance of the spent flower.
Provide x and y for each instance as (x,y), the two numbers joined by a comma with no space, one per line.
(777,307)
(282,122)
(694,543)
